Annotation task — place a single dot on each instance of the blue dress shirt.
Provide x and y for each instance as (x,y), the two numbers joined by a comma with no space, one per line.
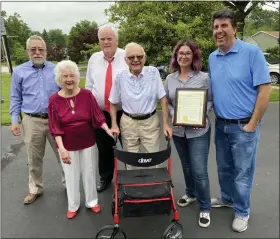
(31,89)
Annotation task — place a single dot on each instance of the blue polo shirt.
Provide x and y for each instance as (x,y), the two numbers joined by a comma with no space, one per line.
(234,79)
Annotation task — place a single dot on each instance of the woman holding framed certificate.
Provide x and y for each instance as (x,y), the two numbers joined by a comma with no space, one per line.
(189,101)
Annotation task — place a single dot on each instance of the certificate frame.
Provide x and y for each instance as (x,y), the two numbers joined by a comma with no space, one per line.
(192,116)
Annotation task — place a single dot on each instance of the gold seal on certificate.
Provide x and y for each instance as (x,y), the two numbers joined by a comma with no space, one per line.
(190,107)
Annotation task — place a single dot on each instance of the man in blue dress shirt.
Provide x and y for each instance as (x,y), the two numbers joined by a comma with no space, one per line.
(33,82)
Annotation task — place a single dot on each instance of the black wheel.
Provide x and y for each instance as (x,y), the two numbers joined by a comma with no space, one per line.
(275,78)
(110,232)
(174,230)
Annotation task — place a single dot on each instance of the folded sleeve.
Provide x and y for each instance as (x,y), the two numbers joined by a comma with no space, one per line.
(54,121)
(97,116)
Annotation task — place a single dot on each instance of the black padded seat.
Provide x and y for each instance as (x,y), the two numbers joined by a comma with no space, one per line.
(139,176)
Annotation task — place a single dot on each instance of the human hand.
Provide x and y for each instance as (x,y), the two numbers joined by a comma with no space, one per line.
(249,127)
(115,129)
(15,128)
(200,128)
(110,133)
(65,157)
(172,120)
(167,130)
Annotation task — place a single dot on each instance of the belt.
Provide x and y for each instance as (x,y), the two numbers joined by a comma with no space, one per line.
(235,121)
(42,116)
(140,117)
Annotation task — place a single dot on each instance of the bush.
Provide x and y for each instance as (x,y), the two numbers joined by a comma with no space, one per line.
(20,55)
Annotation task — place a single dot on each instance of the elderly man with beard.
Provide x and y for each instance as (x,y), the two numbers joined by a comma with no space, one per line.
(33,83)
(138,90)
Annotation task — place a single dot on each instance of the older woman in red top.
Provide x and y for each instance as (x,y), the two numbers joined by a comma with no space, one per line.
(74,115)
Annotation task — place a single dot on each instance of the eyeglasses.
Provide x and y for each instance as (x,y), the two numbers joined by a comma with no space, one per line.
(139,57)
(34,50)
(186,54)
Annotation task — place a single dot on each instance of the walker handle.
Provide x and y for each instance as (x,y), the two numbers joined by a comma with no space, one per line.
(115,138)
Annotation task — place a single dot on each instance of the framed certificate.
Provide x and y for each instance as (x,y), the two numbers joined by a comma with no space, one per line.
(190,107)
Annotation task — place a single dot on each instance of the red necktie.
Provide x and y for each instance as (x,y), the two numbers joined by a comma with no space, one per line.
(108,85)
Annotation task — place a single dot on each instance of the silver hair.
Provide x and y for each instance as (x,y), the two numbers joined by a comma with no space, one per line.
(133,44)
(110,27)
(35,37)
(63,65)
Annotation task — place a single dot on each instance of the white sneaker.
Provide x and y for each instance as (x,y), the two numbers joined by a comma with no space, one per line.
(204,219)
(185,201)
(240,224)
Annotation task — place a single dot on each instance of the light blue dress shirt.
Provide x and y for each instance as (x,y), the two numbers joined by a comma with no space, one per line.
(137,95)
(31,89)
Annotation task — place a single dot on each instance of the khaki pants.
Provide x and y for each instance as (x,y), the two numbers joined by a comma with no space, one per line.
(82,162)
(35,133)
(140,132)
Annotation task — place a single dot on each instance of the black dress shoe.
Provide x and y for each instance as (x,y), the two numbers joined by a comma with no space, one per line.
(102,185)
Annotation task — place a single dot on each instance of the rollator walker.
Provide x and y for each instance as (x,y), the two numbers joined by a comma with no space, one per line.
(142,192)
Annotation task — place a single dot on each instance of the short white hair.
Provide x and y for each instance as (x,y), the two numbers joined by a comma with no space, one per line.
(35,37)
(110,27)
(66,65)
(133,44)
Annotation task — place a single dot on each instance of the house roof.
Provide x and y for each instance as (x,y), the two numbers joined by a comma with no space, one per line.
(271,33)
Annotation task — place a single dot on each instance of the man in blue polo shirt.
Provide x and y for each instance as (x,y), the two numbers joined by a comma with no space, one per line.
(241,89)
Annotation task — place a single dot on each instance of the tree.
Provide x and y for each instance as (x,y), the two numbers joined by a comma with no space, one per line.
(57,38)
(17,31)
(157,26)
(261,20)
(20,54)
(84,32)
(242,10)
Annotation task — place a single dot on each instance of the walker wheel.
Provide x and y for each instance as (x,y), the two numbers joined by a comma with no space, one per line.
(174,230)
(110,232)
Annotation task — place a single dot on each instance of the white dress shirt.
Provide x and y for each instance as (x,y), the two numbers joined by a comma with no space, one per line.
(96,73)
(137,95)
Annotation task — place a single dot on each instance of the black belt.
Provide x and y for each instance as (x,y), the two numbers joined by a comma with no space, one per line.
(140,117)
(235,121)
(42,116)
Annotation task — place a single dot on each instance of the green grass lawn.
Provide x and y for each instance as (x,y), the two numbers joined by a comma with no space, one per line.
(5,90)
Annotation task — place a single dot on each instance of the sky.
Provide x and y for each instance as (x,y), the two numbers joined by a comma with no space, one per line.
(62,15)
(56,15)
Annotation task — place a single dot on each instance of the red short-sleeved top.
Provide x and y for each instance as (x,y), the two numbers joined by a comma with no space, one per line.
(77,130)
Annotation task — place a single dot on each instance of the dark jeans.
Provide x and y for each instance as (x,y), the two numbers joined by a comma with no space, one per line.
(193,153)
(105,149)
(236,152)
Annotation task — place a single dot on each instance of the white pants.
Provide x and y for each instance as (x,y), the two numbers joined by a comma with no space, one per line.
(82,162)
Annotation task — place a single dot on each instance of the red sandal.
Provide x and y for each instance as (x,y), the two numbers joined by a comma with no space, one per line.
(71,215)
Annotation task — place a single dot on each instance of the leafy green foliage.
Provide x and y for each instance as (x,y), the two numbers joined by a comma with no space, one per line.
(261,20)
(90,49)
(84,32)
(20,55)
(158,26)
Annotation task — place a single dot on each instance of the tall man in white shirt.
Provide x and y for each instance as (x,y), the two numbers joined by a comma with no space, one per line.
(102,69)
(138,89)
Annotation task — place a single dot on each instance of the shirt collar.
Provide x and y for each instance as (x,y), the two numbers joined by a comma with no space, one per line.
(142,73)
(235,48)
(32,65)
(190,75)
(113,58)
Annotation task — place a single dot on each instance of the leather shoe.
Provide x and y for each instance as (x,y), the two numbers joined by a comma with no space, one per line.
(30,198)
(102,185)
